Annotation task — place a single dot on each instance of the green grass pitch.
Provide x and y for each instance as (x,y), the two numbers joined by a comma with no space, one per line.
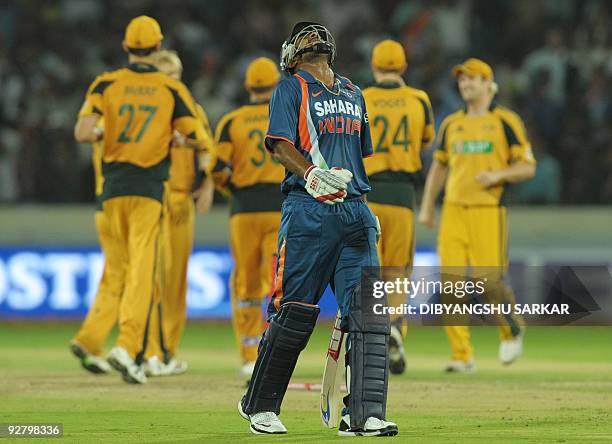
(560,391)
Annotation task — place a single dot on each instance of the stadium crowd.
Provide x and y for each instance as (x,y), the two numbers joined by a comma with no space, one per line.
(552,61)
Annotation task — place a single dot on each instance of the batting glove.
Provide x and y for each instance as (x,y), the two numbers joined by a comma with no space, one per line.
(327,186)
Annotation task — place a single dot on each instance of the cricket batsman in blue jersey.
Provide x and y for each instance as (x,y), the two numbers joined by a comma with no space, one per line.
(319,131)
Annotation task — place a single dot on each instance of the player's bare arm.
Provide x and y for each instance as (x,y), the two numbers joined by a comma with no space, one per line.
(178,139)
(194,143)
(433,185)
(516,172)
(85,129)
(289,157)
(204,195)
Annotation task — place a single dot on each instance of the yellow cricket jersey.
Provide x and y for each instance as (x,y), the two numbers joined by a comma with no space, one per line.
(141,108)
(255,175)
(470,145)
(185,169)
(401,124)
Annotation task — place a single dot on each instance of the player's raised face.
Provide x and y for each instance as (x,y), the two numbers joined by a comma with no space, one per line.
(472,87)
(309,40)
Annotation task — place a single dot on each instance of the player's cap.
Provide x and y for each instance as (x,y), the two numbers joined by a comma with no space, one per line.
(389,55)
(474,67)
(143,32)
(261,73)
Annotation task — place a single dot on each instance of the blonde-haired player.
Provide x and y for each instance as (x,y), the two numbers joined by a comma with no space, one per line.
(481,148)
(401,124)
(253,177)
(189,178)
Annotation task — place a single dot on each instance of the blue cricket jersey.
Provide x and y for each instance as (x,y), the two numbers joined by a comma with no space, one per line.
(329,127)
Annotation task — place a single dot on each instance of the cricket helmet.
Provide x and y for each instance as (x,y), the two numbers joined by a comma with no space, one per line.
(307,37)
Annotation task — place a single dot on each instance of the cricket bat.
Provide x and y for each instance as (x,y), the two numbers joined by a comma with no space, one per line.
(332,377)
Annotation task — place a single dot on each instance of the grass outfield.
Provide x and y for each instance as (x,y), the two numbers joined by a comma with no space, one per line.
(560,391)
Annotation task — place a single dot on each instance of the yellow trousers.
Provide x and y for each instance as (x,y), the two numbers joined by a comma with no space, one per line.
(135,222)
(476,236)
(171,312)
(104,312)
(253,239)
(395,249)
(180,236)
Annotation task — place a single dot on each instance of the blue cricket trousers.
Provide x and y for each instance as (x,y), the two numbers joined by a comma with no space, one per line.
(320,244)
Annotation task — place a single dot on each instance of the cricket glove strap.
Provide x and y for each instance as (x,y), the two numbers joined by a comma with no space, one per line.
(327,186)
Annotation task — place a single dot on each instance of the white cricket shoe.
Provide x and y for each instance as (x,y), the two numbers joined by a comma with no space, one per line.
(372,427)
(512,349)
(397,355)
(176,367)
(460,366)
(263,423)
(155,367)
(121,361)
(246,371)
(92,363)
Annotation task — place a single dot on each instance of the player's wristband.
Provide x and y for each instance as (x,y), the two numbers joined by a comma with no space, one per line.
(307,172)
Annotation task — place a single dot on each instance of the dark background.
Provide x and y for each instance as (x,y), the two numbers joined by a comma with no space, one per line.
(552,60)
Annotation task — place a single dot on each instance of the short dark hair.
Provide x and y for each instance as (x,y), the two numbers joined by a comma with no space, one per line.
(142,52)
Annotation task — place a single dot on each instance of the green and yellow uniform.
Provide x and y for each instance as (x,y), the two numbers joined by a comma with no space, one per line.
(141,108)
(186,174)
(104,312)
(253,177)
(401,124)
(473,226)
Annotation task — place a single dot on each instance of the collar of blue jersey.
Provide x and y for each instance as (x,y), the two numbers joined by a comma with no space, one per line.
(338,80)
(141,67)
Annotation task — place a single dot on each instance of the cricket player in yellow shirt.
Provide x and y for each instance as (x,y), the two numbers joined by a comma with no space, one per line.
(189,178)
(249,172)
(141,108)
(480,149)
(103,314)
(401,124)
